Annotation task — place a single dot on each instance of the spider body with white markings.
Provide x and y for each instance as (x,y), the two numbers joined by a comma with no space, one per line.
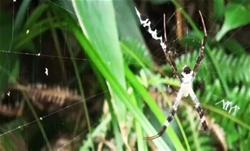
(186,77)
(187,80)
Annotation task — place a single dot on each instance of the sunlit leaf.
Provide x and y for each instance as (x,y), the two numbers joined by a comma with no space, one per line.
(218,8)
(236,15)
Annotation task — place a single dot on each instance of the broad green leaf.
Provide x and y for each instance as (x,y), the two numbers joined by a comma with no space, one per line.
(236,15)
(218,8)
(129,33)
(99,26)
(127,21)
(190,39)
(242,2)
(136,53)
(97,21)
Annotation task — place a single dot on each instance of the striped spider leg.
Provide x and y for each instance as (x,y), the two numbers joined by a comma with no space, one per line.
(186,77)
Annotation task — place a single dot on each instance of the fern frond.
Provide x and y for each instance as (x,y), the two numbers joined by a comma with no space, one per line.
(47,98)
(233,69)
(237,123)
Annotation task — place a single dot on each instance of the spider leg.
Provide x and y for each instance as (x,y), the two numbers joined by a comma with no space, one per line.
(199,110)
(168,54)
(169,118)
(172,64)
(203,43)
(163,42)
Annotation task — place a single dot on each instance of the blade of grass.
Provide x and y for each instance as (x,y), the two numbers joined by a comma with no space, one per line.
(154,108)
(21,15)
(105,41)
(119,90)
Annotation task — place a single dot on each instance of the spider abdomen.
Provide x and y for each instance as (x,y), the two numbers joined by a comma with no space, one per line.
(185,88)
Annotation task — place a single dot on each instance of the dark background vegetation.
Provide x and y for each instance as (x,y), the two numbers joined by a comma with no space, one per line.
(84,75)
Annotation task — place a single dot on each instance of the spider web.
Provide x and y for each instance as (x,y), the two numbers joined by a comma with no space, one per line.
(44,71)
(47,71)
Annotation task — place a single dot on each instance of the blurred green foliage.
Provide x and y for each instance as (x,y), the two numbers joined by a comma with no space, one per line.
(108,32)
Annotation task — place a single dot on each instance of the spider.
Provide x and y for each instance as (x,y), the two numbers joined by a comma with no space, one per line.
(186,77)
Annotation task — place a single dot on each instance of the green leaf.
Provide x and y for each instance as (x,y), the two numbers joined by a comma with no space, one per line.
(136,53)
(218,8)
(242,2)
(36,14)
(91,16)
(158,2)
(236,15)
(127,23)
(21,15)
(129,33)
(5,31)
(234,47)
(9,62)
(104,39)
(190,39)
